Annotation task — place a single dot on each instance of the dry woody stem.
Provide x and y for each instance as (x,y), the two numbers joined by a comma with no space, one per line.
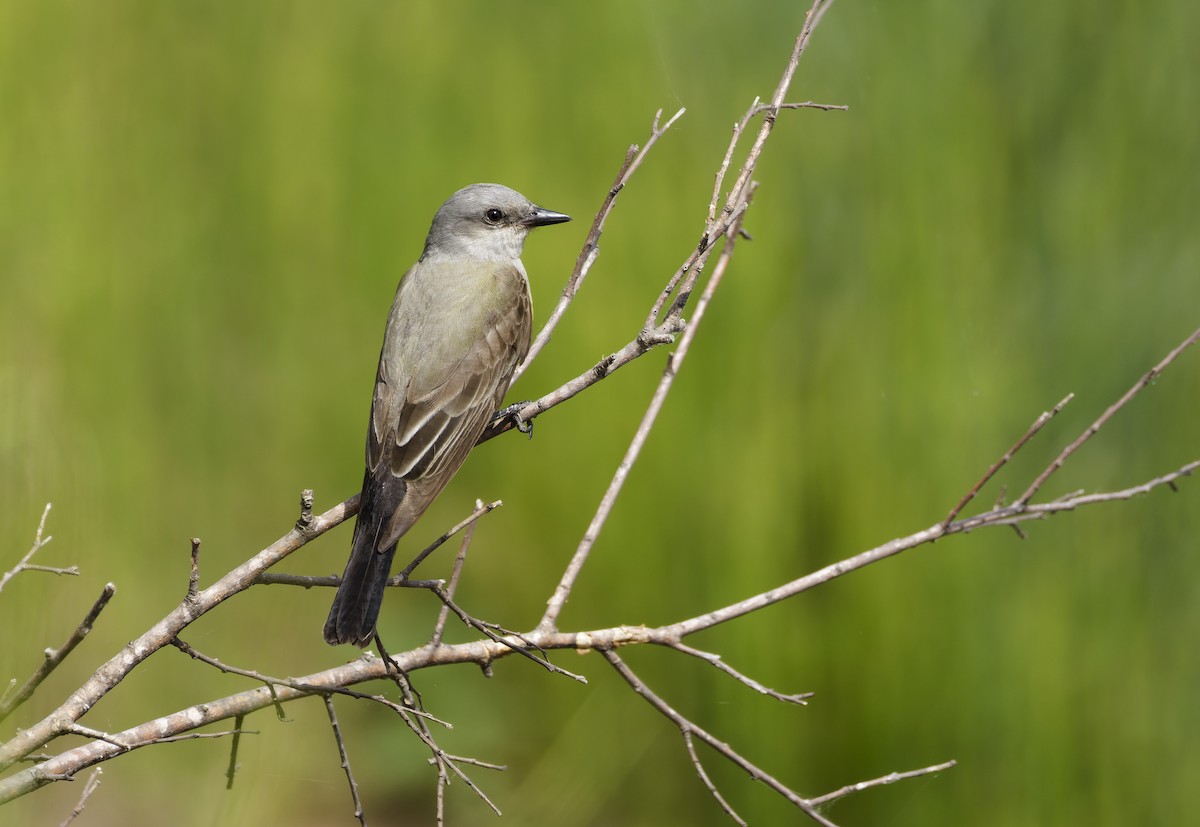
(691,288)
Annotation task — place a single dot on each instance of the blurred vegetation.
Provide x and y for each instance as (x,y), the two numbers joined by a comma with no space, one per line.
(204,211)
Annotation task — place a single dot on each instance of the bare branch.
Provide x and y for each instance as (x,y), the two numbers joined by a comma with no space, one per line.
(271,682)
(659,328)
(231,770)
(825,107)
(742,183)
(56,656)
(1038,424)
(88,788)
(715,660)
(194,576)
(687,728)
(39,542)
(698,765)
(591,245)
(1094,428)
(719,178)
(515,641)
(439,627)
(62,719)
(480,510)
(1002,515)
(237,732)
(890,778)
(563,590)
(341,745)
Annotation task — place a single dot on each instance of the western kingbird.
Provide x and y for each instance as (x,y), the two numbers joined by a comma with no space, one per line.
(458,328)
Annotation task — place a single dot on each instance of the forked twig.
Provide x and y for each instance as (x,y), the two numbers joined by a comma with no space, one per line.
(1092,429)
(39,542)
(591,245)
(1037,425)
(563,590)
(690,730)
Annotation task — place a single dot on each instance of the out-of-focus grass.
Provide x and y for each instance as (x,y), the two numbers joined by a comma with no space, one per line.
(204,213)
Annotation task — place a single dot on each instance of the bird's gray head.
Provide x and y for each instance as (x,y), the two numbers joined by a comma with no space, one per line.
(485,221)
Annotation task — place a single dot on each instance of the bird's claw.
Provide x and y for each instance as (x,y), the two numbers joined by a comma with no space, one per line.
(525,426)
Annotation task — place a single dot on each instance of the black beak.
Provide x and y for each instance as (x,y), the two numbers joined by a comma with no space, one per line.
(541,217)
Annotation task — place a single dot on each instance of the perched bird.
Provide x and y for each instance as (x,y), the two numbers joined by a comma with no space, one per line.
(458,328)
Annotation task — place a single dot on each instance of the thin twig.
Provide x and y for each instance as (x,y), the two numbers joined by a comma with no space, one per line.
(811,19)
(309,581)
(194,575)
(712,788)
(725,750)
(480,509)
(88,732)
(341,745)
(591,245)
(1092,429)
(1029,434)
(39,542)
(715,660)
(513,640)
(890,778)
(444,762)
(111,673)
(231,770)
(56,656)
(825,107)
(292,683)
(563,590)
(439,626)
(192,736)
(88,788)
(1004,515)
(719,178)
(1013,514)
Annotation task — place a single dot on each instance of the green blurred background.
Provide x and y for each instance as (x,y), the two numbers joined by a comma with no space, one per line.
(204,208)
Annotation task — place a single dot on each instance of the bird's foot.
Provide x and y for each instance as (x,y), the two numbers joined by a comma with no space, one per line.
(512,412)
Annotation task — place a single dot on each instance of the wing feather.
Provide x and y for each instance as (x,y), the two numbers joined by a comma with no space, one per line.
(423,438)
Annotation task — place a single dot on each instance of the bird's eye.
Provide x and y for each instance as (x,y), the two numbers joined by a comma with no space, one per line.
(493,215)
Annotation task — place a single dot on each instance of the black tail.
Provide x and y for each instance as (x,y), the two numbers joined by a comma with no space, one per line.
(356,606)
